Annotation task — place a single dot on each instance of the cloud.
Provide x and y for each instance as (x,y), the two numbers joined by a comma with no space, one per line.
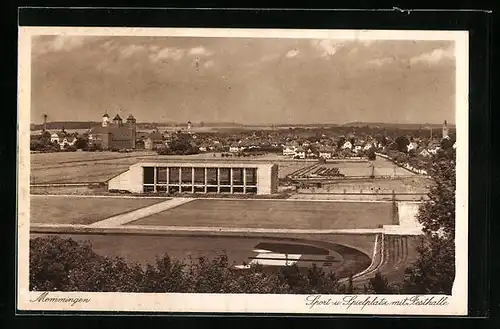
(269,57)
(199,51)
(208,64)
(327,47)
(381,61)
(434,56)
(109,45)
(366,42)
(167,53)
(57,44)
(131,49)
(292,53)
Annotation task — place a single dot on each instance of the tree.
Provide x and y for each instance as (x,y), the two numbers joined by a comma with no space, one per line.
(434,270)
(167,275)
(371,154)
(341,141)
(402,143)
(379,285)
(82,143)
(52,259)
(446,143)
(211,276)
(294,279)
(45,137)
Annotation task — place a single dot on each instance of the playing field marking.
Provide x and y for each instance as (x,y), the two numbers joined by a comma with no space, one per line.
(140,213)
(276,259)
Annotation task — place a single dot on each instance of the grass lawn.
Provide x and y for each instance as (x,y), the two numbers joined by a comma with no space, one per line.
(78,167)
(45,159)
(78,173)
(274,214)
(76,210)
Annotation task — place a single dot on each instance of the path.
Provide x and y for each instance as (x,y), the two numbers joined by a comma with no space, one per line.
(117,227)
(140,213)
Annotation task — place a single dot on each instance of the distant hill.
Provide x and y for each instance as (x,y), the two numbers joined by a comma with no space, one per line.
(397,125)
(57,125)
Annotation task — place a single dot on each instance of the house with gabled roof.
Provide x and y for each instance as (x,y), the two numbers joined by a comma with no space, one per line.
(300,152)
(347,145)
(433,147)
(154,141)
(424,153)
(325,152)
(289,150)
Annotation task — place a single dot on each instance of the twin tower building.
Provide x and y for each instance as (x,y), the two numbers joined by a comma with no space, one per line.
(114,134)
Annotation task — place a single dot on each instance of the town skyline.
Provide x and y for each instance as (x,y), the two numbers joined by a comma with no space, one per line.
(244,80)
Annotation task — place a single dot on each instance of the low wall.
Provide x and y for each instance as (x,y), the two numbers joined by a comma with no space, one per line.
(359,197)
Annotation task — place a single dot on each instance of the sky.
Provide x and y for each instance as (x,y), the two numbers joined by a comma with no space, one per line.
(242,80)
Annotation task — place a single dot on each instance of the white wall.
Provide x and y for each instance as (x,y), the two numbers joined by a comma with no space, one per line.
(131,180)
(265,179)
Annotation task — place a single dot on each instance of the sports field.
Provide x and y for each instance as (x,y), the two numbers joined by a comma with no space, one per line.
(144,249)
(76,210)
(274,214)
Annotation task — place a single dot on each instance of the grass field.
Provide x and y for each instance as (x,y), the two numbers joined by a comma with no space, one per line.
(274,214)
(45,159)
(64,210)
(76,167)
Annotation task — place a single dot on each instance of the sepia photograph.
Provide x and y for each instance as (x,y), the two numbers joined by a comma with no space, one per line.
(233,170)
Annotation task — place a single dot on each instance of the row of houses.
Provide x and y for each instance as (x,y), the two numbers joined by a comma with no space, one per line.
(325,151)
(63,139)
(302,151)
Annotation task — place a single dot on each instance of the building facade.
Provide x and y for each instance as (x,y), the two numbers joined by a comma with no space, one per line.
(116,135)
(202,177)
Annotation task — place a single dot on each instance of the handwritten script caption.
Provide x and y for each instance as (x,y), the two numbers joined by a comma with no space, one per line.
(45,298)
(347,302)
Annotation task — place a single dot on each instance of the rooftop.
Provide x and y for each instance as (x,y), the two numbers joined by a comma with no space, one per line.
(215,162)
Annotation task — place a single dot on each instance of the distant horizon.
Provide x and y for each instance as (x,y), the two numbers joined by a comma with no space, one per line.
(264,124)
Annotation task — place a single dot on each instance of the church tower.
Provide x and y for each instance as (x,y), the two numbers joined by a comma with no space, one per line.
(105,120)
(445,130)
(117,121)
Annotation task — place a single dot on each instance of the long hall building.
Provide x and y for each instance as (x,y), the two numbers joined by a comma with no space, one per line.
(198,177)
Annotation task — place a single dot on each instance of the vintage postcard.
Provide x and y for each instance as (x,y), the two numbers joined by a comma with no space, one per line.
(234,170)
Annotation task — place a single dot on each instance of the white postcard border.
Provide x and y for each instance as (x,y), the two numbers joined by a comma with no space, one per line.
(173,302)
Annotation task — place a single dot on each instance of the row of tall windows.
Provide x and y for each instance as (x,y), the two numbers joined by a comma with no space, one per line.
(200,180)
